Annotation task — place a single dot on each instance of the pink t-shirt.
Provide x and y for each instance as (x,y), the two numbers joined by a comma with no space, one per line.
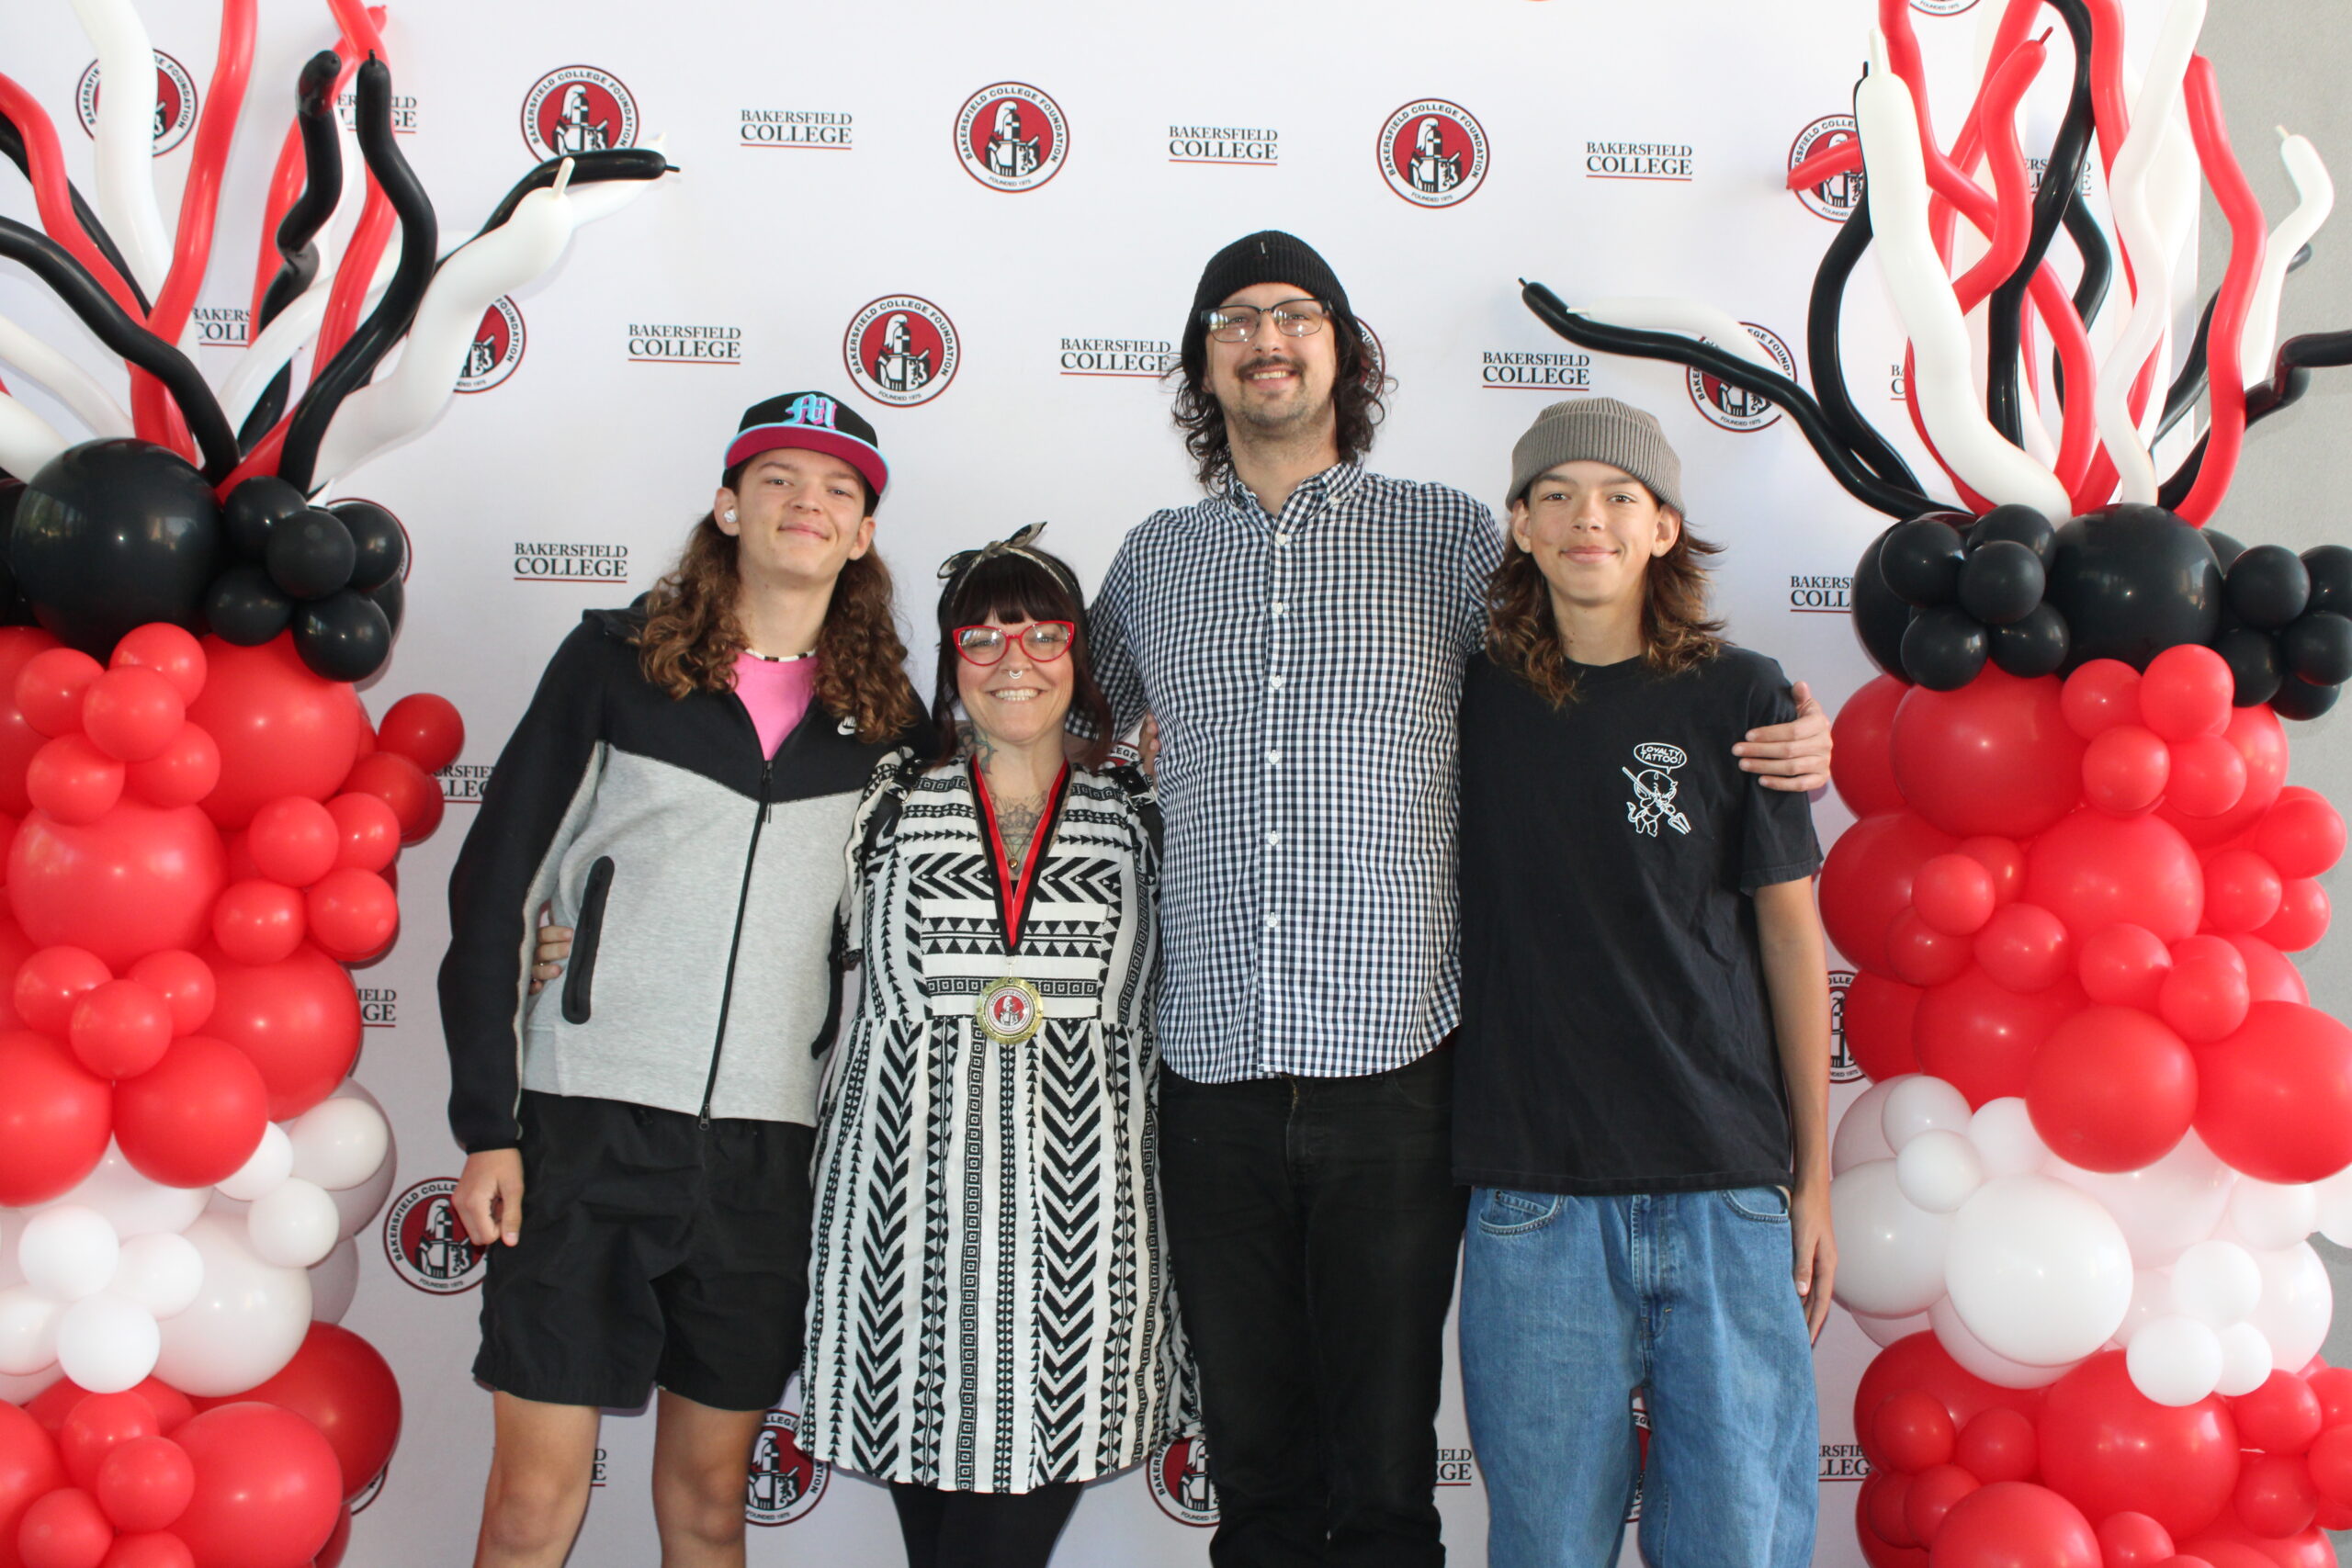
(775,692)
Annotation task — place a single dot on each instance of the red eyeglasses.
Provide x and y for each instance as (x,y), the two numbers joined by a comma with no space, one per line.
(1046,641)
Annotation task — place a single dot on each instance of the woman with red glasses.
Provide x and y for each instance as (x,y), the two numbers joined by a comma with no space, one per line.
(991,1321)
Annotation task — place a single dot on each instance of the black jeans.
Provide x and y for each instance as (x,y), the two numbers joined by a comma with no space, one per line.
(1313,1224)
(982,1529)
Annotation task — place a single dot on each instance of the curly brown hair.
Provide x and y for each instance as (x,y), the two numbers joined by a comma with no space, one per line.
(691,637)
(1357,391)
(1677,633)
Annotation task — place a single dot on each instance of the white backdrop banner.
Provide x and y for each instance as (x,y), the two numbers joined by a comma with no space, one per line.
(853,216)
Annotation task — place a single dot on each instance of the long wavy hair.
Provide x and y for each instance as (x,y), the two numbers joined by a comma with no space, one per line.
(1677,632)
(1017,587)
(1358,387)
(692,638)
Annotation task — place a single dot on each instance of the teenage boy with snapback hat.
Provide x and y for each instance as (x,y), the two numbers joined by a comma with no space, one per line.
(638,1136)
(1300,637)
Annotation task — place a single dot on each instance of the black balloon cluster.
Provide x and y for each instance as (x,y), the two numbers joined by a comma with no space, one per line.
(110,535)
(332,574)
(1939,595)
(2287,626)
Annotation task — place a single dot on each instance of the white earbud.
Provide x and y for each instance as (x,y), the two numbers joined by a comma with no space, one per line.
(730,514)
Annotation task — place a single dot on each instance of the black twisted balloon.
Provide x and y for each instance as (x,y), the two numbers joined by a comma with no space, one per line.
(299,257)
(1823,319)
(2004,316)
(12,147)
(2289,378)
(587,168)
(2190,385)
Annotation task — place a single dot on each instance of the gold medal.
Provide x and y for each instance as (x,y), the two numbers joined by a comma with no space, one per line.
(1009,1011)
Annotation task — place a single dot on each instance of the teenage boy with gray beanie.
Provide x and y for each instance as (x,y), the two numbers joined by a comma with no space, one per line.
(1642,1094)
(1300,637)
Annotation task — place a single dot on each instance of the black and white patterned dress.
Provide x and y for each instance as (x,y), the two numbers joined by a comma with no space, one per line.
(990,1306)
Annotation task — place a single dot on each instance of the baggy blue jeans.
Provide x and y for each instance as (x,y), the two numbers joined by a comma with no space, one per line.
(1570,1306)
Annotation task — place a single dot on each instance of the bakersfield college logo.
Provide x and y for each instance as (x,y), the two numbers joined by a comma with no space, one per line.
(425,1244)
(1733,408)
(784,1482)
(900,350)
(497,347)
(1010,137)
(578,109)
(1433,153)
(1836,197)
(1942,7)
(1180,1484)
(175,101)
(1843,1068)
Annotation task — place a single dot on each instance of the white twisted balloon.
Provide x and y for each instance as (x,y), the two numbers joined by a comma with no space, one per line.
(2315,200)
(27,440)
(126,138)
(74,386)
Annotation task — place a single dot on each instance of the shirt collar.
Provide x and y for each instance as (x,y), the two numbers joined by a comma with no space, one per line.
(1332,486)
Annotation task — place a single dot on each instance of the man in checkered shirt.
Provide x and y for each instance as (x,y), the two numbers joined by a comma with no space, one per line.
(1298,638)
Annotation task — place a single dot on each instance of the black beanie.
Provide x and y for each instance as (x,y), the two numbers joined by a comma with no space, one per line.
(1267,257)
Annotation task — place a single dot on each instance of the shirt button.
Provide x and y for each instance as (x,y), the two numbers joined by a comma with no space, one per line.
(1280,606)
(1277,681)
(1272,920)
(1273,758)
(1274,840)
(1283,539)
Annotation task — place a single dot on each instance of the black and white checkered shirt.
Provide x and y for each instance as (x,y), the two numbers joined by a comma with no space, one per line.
(1306,671)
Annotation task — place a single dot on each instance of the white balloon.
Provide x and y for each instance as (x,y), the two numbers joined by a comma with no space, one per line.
(2315,198)
(1862,1133)
(2150,1299)
(2037,1270)
(334,1281)
(246,1323)
(125,139)
(106,1344)
(160,1274)
(2216,1282)
(132,1204)
(2004,1138)
(2268,1217)
(2176,1361)
(28,1330)
(359,1205)
(340,1142)
(2334,1200)
(2297,1302)
(1889,1251)
(22,1389)
(271,1162)
(2162,1208)
(1692,318)
(2246,1360)
(1937,1170)
(292,1225)
(1922,1104)
(1972,1355)
(1886,1331)
(68,1252)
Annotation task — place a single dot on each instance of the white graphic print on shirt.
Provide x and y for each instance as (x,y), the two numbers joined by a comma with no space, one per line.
(1654,788)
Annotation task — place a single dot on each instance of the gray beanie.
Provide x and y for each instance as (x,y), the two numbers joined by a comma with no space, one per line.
(1598,430)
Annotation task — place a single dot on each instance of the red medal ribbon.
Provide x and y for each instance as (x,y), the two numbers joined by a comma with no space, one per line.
(1012,892)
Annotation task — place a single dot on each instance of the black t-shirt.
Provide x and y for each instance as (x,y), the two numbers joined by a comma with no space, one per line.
(1616,1035)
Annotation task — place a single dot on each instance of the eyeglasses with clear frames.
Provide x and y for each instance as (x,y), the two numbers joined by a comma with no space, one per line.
(1238,324)
(1043,640)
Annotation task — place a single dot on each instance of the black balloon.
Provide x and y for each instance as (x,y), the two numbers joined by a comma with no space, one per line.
(310,555)
(2131,582)
(254,508)
(2331,569)
(111,535)
(1880,618)
(2318,646)
(1944,648)
(393,599)
(2225,549)
(245,607)
(1921,559)
(2253,658)
(2267,587)
(14,610)
(2033,646)
(2297,698)
(2021,524)
(2001,582)
(343,636)
(380,542)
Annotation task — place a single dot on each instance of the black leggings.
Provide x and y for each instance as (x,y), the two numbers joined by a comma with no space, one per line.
(982,1529)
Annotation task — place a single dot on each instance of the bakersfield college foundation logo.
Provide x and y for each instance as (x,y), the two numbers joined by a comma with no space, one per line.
(1433,153)
(900,349)
(1836,197)
(1942,7)
(1843,1068)
(1180,1481)
(1010,137)
(1733,408)
(784,1482)
(578,109)
(175,101)
(497,347)
(426,1243)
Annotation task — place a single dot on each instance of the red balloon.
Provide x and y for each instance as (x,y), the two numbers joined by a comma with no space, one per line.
(1921,954)
(169,650)
(2301,918)
(2302,834)
(268,1492)
(184,773)
(2227,1537)
(337,1544)
(369,834)
(296,1019)
(2212,1551)
(2108,1447)
(131,714)
(340,1385)
(19,741)
(1890,1509)
(30,1468)
(2332,1386)
(1919,1361)
(55,1120)
(2014,1524)
(2242,891)
(2134,1540)
(2123,965)
(2275,1099)
(2112,1090)
(1876,1022)
(427,731)
(2002,861)
(145,1483)
(293,841)
(1994,757)
(258,921)
(2092,871)
(64,1529)
(2330,1459)
(74,780)
(2024,947)
(1914,1431)
(1953,894)
(1867,881)
(2100,695)
(140,880)
(411,792)
(1869,1502)
(152,1548)
(96,1426)
(15,952)
(1997,1445)
(120,1029)
(281,730)
(2275,1496)
(52,982)
(353,914)
(2282,1416)
(2186,691)
(2259,739)
(1980,1037)
(1931,1498)
(1861,757)
(185,982)
(52,1404)
(2206,996)
(195,1118)
(2208,777)
(2125,770)
(49,688)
